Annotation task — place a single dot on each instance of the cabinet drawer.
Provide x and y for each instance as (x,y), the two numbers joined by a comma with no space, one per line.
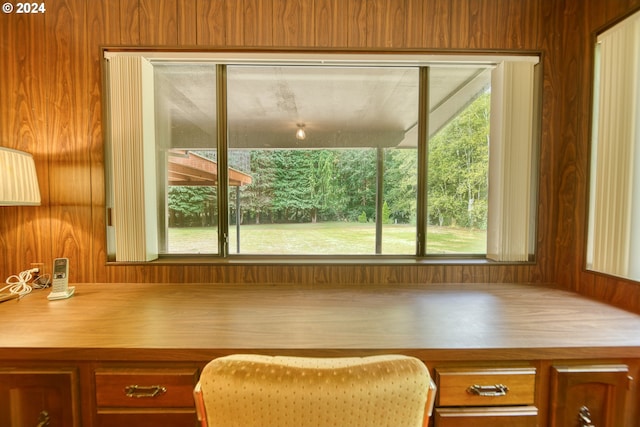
(486,417)
(144,419)
(485,386)
(140,388)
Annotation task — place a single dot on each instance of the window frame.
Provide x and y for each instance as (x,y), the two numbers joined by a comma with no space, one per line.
(223,58)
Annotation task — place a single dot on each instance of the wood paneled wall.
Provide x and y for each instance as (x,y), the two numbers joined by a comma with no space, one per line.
(575,164)
(50,105)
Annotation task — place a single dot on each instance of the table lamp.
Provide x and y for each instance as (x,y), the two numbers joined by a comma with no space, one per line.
(18,179)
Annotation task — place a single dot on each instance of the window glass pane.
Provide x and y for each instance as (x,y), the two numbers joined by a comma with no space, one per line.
(400,198)
(326,149)
(185,126)
(458,160)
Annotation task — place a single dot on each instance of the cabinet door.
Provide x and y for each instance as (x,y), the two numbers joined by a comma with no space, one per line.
(588,395)
(30,398)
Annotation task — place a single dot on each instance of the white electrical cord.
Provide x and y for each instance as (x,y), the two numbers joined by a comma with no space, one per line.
(19,284)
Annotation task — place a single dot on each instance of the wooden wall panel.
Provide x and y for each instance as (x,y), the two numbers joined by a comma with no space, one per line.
(392,23)
(415,28)
(25,234)
(357,23)
(475,273)
(585,46)
(620,292)
(340,274)
(571,150)
(330,23)
(467,29)
(134,274)
(67,129)
(130,22)
(187,12)
(431,274)
(516,25)
(250,23)
(52,94)
(292,23)
(265,274)
(530,27)
(437,23)
(210,23)
(159,22)
(498,24)
(103,24)
(548,43)
(512,274)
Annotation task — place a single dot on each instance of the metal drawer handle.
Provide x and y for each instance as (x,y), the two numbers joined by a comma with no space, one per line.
(43,419)
(144,391)
(488,390)
(584,417)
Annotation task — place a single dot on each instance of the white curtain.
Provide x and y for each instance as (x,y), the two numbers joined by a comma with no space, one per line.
(614,217)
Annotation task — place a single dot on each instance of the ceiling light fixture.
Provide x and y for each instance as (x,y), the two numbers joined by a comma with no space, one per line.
(300,133)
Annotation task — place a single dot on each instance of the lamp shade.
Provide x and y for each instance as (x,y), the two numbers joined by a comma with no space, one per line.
(18,179)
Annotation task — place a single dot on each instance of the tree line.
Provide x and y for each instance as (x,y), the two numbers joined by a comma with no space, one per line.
(316,185)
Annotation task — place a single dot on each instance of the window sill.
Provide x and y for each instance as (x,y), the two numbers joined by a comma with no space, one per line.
(321,260)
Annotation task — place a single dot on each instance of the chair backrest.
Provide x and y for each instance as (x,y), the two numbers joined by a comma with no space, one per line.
(280,391)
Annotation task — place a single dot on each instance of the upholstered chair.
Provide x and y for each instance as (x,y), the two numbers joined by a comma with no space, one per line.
(280,391)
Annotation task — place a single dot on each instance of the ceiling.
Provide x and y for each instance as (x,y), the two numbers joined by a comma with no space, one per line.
(338,106)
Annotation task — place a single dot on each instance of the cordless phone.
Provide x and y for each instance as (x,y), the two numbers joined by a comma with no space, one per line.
(60,284)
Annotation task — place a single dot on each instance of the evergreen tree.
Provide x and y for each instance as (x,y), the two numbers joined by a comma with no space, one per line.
(191,205)
(257,197)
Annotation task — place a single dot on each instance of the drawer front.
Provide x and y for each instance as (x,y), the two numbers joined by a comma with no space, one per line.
(142,419)
(143,388)
(486,387)
(486,417)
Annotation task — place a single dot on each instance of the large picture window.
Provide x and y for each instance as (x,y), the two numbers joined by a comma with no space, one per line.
(310,155)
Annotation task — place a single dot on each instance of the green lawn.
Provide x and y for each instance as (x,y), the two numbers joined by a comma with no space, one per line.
(327,238)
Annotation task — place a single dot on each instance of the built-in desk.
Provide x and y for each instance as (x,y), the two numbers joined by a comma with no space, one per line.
(106,332)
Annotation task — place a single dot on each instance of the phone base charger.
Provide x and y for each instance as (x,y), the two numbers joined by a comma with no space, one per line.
(62,295)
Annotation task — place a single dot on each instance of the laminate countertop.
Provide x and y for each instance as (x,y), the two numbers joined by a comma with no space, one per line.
(197,322)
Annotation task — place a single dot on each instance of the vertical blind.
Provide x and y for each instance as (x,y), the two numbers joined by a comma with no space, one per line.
(132,130)
(511,175)
(614,222)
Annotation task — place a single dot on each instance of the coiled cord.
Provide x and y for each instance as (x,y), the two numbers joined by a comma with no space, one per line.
(20,283)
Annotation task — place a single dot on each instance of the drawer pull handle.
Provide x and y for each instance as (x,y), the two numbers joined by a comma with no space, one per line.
(488,390)
(584,417)
(144,391)
(43,419)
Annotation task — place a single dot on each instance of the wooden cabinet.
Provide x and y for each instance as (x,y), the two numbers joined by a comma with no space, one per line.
(145,397)
(39,397)
(486,397)
(588,395)
(502,355)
